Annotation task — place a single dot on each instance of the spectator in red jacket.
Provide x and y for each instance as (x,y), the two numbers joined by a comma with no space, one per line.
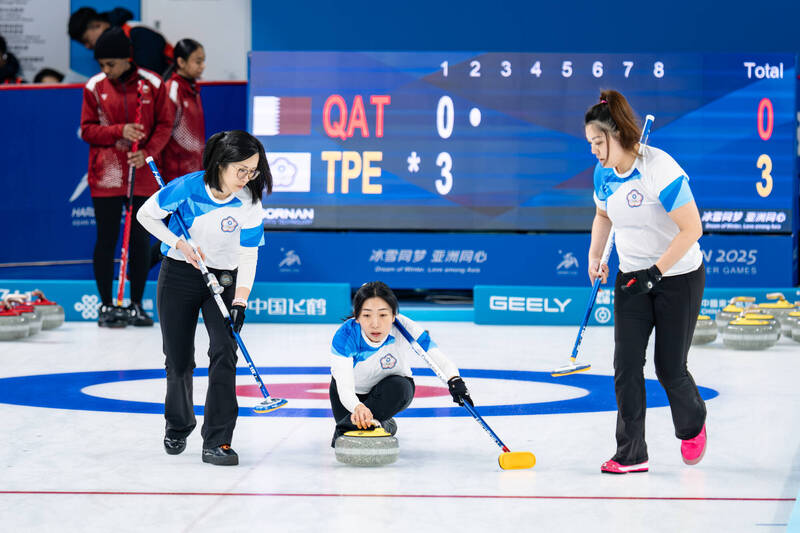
(150,49)
(108,124)
(184,152)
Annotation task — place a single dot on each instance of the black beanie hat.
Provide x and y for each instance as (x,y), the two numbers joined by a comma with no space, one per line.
(112,44)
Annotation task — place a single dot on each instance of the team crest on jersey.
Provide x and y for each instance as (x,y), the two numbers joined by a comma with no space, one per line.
(228,224)
(388,361)
(635,198)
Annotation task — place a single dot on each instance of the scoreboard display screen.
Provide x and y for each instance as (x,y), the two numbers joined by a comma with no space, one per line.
(457,141)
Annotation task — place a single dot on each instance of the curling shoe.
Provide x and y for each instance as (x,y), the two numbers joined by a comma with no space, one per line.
(221,455)
(137,316)
(174,446)
(390,426)
(693,450)
(613,467)
(110,317)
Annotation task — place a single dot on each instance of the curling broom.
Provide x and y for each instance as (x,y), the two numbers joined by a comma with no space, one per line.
(507,460)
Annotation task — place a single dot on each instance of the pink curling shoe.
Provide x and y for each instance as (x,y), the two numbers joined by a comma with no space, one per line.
(692,450)
(613,467)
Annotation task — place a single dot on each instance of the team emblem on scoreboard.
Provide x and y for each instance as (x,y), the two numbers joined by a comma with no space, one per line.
(635,198)
(228,224)
(388,361)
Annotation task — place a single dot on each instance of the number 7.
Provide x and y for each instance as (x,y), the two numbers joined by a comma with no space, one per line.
(628,67)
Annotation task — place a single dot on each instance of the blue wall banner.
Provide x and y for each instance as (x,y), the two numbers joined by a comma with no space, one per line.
(429,260)
(49,218)
(268,302)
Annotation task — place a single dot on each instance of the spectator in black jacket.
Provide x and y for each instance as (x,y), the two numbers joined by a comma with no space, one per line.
(150,49)
(9,66)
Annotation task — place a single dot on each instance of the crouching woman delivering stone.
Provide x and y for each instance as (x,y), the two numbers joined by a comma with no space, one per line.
(371,364)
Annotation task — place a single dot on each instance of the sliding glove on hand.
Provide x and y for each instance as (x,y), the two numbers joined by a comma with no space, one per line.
(458,390)
(237,317)
(641,281)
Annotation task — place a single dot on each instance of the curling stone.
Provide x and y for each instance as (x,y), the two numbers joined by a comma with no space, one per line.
(780,310)
(757,315)
(52,313)
(726,314)
(34,318)
(741,300)
(13,325)
(375,447)
(745,334)
(705,330)
(793,320)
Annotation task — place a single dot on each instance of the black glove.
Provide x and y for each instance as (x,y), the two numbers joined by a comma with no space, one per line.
(641,281)
(237,317)
(458,390)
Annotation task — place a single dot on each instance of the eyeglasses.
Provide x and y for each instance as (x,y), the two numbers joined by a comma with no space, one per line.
(250,174)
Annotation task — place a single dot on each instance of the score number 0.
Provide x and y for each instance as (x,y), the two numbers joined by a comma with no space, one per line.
(445,117)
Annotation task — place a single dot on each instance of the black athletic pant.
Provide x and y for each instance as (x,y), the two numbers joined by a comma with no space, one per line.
(108,217)
(182,294)
(391,395)
(672,308)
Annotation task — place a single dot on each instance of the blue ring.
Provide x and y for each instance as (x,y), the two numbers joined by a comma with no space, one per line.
(65,391)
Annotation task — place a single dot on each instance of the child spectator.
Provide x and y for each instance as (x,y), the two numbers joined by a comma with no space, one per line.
(48,75)
(184,152)
(109,125)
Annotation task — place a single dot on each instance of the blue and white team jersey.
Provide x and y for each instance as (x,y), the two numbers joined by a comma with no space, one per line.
(219,227)
(638,203)
(371,362)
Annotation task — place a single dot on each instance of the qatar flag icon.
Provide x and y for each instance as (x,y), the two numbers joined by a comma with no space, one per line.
(281,115)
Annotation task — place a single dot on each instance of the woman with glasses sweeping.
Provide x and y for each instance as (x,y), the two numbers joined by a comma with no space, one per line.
(221,205)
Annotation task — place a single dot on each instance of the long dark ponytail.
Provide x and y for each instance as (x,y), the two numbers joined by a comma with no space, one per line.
(183,49)
(615,116)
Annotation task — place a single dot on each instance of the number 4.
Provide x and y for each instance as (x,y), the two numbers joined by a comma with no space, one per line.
(536,69)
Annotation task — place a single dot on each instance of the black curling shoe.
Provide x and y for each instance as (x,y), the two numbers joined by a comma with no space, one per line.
(221,455)
(390,426)
(112,317)
(174,446)
(138,316)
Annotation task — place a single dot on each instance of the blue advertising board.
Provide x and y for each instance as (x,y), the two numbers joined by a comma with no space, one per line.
(561,306)
(268,302)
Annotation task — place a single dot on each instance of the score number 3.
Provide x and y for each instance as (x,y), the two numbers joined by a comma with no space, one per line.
(764,162)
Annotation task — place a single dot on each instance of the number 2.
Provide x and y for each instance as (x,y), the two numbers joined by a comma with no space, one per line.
(475,70)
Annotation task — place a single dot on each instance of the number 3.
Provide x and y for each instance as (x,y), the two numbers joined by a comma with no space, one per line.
(765,163)
(446,163)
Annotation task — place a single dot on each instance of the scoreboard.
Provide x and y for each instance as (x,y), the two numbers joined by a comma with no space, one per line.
(458,141)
